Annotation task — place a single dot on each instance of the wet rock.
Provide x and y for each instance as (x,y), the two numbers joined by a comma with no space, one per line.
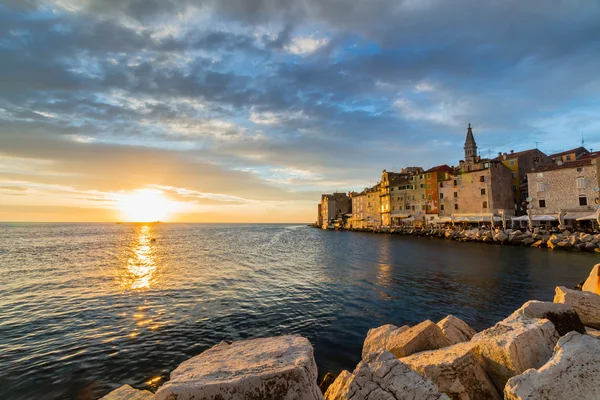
(514,345)
(425,336)
(592,283)
(501,237)
(278,368)
(126,392)
(571,373)
(378,338)
(538,244)
(586,237)
(455,329)
(328,379)
(585,304)
(553,242)
(563,316)
(456,372)
(528,241)
(381,376)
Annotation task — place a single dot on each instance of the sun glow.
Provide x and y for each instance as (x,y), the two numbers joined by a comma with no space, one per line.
(145,205)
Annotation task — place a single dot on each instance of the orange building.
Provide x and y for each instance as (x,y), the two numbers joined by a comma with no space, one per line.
(432,178)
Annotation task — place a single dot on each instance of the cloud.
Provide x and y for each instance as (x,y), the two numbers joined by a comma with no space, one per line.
(252,104)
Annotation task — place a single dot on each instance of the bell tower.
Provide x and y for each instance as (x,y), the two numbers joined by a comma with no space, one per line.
(470,147)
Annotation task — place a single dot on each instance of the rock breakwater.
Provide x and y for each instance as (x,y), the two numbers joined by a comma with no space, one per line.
(542,350)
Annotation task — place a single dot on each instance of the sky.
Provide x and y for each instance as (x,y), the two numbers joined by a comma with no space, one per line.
(248,110)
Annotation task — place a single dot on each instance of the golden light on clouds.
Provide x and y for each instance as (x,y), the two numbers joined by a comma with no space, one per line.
(145,205)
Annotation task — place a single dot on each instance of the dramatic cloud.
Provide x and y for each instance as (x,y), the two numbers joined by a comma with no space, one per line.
(248,109)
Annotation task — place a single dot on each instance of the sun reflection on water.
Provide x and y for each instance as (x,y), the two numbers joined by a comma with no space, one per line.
(141,271)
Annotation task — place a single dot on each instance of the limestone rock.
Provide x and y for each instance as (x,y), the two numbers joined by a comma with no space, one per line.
(278,368)
(501,237)
(586,237)
(340,384)
(514,345)
(378,338)
(585,304)
(571,373)
(381,376)
(425,336)
(592,332)
(455,329)
(538,244)
(563,316)
(456,372)
(528,241)
(328,379)
(126,392)
(589,246)
(592,283)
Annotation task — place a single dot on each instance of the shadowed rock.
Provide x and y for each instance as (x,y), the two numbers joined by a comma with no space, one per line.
(571,373)
(563,316)
(585,304)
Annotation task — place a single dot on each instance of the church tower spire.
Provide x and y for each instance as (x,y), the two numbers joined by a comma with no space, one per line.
(470,147)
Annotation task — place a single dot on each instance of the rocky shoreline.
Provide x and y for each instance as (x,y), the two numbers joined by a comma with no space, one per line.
(543,350)
(539,238)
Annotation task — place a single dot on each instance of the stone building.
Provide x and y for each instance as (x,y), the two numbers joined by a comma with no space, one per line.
(521,163)
(372,213)
(478,188)
(334,206)
(402,195)
(389,182)
(569,155)
(433,177)
(569,189)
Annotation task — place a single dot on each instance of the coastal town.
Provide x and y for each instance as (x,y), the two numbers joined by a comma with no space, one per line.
(515,189)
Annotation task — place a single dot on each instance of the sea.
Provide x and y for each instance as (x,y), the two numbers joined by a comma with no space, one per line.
(86,308)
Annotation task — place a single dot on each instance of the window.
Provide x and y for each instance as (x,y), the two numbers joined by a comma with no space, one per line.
(455,182)
(484,204)
(423,207)
(421,177)
(399,198)
(541,187)
(456,206)
(387,206)
(512,163)
(514,188)
(486,165)
(441,184)
(393,208)
(428,175)
(413,208)
(408,207)
(514,175)
(413,197)
(580,183)
(455,194)
(429,186)
(482,191)
(579,169)
(423,196)
(392,189)
(542,203)
(441,207)
(569,157)
(429,197)
(369,204)
(582,200)
(441,195)
(482,178)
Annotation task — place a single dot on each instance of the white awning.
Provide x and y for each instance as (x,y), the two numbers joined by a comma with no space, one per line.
(443,220)
(410,219)
(589,217)
(521,218)
(543,218)
(576,214)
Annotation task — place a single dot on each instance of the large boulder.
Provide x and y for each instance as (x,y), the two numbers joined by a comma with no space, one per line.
(585,304)
(381,376)
(592,332)
(126,392)
(278,368)
(456,372)
(421,337)
(514,345)
(563,316)
(571,373)
(378,338)
(455,329)
(592,283)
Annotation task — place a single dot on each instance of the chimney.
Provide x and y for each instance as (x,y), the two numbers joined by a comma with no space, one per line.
(504,156)
(512,151)
(499,154)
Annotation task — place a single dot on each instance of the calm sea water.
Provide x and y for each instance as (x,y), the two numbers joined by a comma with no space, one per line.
(87,308)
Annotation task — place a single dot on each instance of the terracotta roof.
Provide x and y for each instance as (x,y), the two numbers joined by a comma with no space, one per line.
(579,150)
(513,155)
(440,168)
(587,156)
(568,164)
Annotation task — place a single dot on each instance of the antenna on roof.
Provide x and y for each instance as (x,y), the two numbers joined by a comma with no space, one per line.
(582,140)
(537,144)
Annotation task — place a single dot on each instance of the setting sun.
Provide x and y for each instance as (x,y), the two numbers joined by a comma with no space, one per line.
(145,205)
